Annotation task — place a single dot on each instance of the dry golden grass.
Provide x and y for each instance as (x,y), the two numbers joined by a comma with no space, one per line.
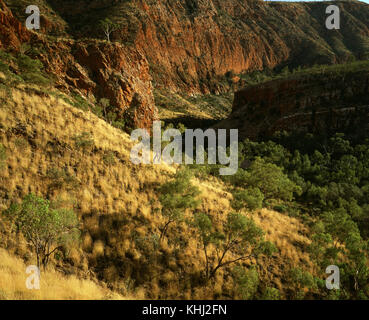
(290,237)
(53,285)
(172,105)
(117,203)
(287,233)
(183,107)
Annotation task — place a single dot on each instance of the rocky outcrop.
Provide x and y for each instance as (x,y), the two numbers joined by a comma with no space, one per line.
(12,33)
(325,101)
(105,70)
(192,44)
(95,69)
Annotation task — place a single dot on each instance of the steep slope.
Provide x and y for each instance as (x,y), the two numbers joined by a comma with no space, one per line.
(103,70)
(117,204)
(192,44)
(54,285)
(91,70)
(12,33)
(51,22)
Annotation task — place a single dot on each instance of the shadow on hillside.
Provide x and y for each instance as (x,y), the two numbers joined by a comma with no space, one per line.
(192,122)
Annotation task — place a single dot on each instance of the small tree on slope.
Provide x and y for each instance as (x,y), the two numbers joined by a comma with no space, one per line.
(177,196)
(46,229)
(108,27)
(240,236)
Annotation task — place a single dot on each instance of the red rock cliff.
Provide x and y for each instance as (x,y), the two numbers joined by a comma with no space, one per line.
(325,100)
(192,44)
(12,33)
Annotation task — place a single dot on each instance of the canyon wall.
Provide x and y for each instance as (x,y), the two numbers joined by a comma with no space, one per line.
(191,45)
(328,100)
(105,70)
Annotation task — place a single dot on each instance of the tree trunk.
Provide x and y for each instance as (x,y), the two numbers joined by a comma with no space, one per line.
(165,228)
(38,260)
(207,262)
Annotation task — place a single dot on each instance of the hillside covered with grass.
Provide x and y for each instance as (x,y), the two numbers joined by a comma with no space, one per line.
(78,161)
(101,227)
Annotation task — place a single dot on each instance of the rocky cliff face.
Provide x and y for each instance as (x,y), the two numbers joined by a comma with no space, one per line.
(105,70)
(189,46)
(192,44)
(94,69)
(12,33)
(328,100)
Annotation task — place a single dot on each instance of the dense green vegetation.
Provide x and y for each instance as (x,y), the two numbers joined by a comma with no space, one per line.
(326,181)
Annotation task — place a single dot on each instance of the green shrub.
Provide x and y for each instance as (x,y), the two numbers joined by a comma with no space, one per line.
(270,294)
(84,141)
(80,102)
(97,110)
(177,196)
(2,156)
(250,198)
(26,64)
(35,78)
(271,180)
(119,124)
(31,70)
(247,282)
(21,143)
(46,229)
(301,280)
(280,208)
(109,158)
(4,67)
(59,179)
